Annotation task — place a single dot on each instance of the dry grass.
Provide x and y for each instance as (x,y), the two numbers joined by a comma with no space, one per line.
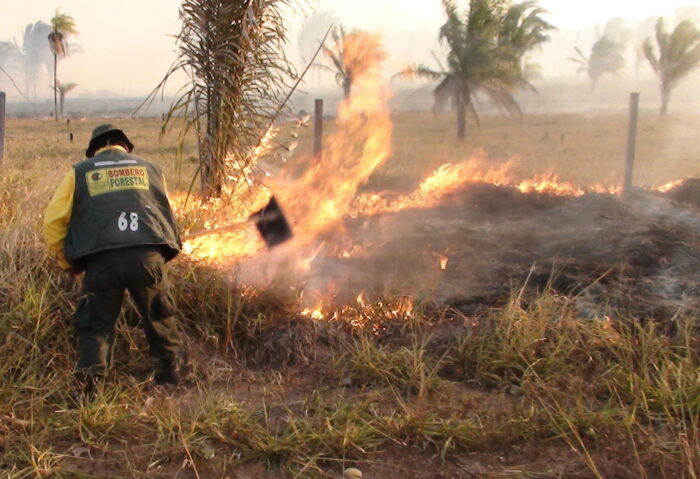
(527,390)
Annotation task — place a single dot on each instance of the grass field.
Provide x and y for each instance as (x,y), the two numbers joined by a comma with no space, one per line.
(527,389)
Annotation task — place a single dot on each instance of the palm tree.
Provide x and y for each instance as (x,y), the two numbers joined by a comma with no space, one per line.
(30,55)
(35,52)
(676,55)
(336,52)
(351,54)
(606,58)
(62,25)
(523,30)
(487,45)
(232,54)
(63,90)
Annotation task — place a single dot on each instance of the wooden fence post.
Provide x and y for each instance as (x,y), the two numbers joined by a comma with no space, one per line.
(318,129)
(2,126)
(631,142)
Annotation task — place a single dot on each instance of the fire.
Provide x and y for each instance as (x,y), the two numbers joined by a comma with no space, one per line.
(245,241)
(315,313)
(665,188)
(361,142)
(266,144)
(454,176)
(319,200)
(403,308)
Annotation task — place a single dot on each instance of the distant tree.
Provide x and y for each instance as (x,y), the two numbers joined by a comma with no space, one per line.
(607,54)
(350,53)
(62,26)
(29,55)
(674,56)
(617,30)
(63,90)
(487,43)
(523,30)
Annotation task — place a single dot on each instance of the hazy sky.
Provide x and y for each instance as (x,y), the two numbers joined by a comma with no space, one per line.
(128,45)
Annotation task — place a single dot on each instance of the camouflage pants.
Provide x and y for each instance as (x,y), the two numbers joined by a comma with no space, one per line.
(142,272)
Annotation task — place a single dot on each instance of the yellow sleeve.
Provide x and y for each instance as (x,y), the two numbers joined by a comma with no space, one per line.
(57,217)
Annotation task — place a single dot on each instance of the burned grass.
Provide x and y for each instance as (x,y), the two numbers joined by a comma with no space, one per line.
(636,256)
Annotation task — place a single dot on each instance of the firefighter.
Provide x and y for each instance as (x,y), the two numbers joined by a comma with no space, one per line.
(110,219)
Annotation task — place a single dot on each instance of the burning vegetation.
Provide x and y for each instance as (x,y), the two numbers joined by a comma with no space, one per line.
(468,236)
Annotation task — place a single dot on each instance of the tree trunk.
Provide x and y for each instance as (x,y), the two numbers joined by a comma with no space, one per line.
(211,179)
(461,116)
(55,90)
(212,173)
(665,98)
(212,159)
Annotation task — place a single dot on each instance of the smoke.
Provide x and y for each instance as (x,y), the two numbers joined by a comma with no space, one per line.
(483,243)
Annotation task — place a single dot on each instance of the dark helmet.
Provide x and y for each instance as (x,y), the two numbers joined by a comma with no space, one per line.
(100,133)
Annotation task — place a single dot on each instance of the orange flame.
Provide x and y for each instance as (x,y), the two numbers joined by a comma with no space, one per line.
(361,142)
(313,313)
(665,188)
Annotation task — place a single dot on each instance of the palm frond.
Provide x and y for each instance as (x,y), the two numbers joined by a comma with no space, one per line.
(64,88)
(445,94)
(606,57)
(675,54)
(651,56)
(64,23)
(503,99)
(421,71)
(62,26)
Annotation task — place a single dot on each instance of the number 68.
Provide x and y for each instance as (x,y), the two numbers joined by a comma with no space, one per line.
(131,223)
